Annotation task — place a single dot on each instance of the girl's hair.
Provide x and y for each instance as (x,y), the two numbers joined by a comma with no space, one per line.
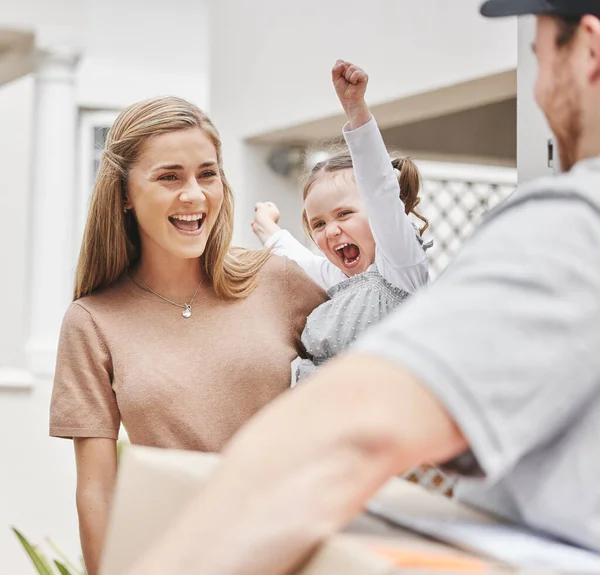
(409,179)
(111,244)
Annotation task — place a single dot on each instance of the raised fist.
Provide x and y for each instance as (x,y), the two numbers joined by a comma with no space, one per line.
(350,82)
(266,210)
(264,224)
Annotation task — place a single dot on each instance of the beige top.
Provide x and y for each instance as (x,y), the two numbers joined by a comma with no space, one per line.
(125,355)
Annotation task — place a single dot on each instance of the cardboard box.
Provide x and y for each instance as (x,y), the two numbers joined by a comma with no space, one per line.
(155,485)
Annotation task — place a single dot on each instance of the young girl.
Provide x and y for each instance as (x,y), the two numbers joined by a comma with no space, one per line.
(356,207)
(355,210)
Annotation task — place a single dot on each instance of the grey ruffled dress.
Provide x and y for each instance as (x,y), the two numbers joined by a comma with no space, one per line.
(355,305)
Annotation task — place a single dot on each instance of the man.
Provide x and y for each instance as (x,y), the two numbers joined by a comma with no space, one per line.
(494,371)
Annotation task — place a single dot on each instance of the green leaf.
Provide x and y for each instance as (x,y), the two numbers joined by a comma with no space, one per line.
(121,446)
(65,559)
(39,562)
(43,559)
(61,568)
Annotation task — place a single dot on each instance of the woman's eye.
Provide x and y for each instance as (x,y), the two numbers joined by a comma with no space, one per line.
(208,174)
(168,177)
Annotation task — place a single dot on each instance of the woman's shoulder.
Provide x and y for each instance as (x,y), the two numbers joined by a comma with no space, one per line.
(298,287)
(275,266)
(281,271)
(104,299)
(283,285)
(287,270)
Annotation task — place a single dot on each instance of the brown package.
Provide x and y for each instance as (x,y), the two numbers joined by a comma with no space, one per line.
(156,484)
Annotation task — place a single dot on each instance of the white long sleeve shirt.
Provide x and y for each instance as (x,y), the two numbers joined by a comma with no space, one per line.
(399,255)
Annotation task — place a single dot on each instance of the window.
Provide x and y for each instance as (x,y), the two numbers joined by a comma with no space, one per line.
(93,127)
(99,139)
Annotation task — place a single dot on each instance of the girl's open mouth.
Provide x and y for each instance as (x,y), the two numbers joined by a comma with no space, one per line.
(349,255)
(189,224)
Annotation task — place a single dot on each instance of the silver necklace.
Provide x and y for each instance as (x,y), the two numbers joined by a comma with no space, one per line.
(187,307)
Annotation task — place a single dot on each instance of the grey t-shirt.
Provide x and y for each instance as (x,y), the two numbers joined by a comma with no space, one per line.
(508,339)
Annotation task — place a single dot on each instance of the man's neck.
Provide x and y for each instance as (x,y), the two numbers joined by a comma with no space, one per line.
(589,143)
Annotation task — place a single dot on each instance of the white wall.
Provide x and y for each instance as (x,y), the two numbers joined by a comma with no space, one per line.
(37,481)
(270,60)
(53,21)
(39,13)
(37,473)
(532,129)
(16,108)
(140,49)
(271,186)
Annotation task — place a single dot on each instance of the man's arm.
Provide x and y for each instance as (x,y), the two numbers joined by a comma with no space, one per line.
(368,420)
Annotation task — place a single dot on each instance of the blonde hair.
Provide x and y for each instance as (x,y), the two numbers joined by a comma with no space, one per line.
(409,179)
(111,244)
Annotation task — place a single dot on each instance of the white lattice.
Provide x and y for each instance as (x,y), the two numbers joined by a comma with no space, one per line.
(454,199)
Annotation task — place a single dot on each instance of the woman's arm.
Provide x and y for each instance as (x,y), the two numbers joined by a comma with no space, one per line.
(96,476)
(399,255)
(84,408)
(302,297)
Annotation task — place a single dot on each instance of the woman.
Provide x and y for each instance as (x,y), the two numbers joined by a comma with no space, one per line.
(171,332)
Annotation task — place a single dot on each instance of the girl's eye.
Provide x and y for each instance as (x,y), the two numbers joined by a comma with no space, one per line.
(344,214)
(168,177)
(318,225)
(208,174)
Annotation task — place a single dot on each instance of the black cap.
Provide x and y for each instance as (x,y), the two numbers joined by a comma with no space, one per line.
(564,8)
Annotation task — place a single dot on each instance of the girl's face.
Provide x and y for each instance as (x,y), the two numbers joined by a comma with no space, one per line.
(339,223)
(175,191)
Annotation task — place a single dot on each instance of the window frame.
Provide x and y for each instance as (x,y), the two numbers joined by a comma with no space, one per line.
(87,152)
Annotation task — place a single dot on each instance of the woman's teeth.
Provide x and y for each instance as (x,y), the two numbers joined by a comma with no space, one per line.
(187,217)
(187,222)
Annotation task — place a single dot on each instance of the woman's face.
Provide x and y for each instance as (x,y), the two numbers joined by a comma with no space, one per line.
(175,192)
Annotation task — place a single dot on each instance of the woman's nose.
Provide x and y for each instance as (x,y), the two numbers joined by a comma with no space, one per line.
(193,192)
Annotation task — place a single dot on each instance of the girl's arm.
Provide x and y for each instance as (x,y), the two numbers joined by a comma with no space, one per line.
(318,268)
(399,255)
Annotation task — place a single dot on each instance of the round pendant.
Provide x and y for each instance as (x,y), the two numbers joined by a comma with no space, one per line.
(187,312)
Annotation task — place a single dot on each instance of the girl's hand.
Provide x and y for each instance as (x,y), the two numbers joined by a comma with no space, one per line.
(264,224)
(350,84)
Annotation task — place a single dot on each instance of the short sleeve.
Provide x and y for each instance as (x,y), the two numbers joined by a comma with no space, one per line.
(508,337)
(303,296)
(83,402)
